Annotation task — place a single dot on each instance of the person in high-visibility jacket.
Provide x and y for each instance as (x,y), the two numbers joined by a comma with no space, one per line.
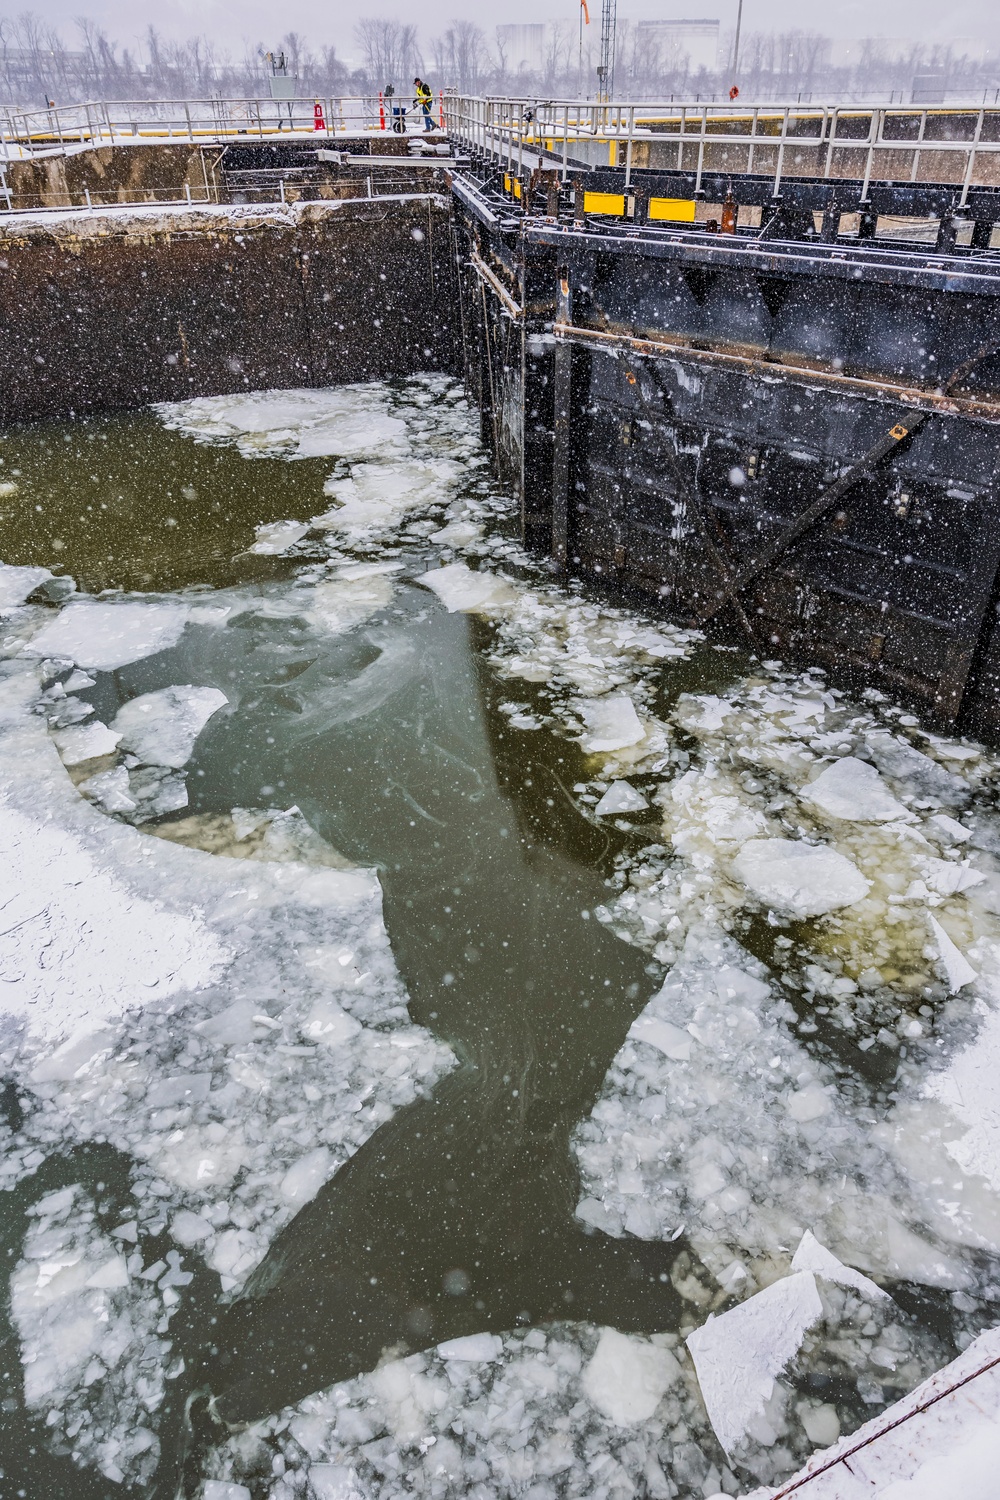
(425,98)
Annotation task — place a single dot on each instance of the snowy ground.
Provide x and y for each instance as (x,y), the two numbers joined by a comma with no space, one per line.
(811,1088)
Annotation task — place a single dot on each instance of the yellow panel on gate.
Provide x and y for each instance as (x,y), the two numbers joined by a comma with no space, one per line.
(604,203)
(680,210)
(517,187)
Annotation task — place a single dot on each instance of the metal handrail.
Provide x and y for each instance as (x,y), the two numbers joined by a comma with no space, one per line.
(548,128)
(23,131)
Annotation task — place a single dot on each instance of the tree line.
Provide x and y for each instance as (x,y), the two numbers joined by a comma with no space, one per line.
(39,64)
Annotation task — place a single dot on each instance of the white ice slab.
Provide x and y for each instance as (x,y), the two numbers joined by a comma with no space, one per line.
(277,536)
(610,723)
(475,1347)
(161,728)
(954,962)
(17,583)
(805,880)
(738,1355)
(620,797)
(78,948)
(82,742)
(106,634)
(460,588)
(812,1256)
(852,790)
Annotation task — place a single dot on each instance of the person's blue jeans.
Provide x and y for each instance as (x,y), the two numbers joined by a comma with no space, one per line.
(428,120)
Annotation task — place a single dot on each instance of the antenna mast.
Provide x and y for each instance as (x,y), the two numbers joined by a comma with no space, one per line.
(606,67)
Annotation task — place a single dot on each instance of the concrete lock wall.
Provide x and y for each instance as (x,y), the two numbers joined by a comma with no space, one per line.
(109,312)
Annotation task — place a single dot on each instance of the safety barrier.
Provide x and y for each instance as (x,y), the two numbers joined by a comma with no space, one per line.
(957,145)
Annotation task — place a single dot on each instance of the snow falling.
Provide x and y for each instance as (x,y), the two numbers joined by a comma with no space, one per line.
(803,1104)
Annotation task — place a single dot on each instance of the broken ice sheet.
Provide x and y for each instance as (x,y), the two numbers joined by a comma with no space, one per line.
(160,728)
(82,742)
(17,583)
(620,797)
(738,1355)
(275,537)
(610,723)
(805,880)
(852,789)
(460,588)
(106,634)
(342,422)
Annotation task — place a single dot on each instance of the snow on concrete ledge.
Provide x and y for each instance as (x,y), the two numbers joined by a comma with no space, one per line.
(942,1439)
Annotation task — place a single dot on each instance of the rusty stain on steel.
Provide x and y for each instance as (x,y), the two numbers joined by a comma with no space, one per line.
(660,346)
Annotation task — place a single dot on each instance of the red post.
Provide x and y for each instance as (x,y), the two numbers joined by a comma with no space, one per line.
(318,122)
(441,107)
(381,110)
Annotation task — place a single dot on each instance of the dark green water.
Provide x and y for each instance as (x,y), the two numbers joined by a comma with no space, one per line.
(457,1216)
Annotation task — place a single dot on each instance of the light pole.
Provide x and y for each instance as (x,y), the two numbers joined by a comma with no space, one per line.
(736,46)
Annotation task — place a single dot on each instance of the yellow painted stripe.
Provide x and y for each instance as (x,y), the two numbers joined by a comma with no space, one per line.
(680,210)
(605,203)
(517,187)
(612,153)
(506,182)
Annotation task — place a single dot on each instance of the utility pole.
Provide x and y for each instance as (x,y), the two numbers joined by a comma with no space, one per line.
(736,50)
(606,67)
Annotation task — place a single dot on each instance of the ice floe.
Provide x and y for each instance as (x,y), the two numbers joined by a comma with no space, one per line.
(852,789)
(105,634)
(160,728)
(620,797)
(17,583)
(805,880)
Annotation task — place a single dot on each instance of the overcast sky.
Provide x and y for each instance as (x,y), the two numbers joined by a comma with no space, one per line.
(230,24)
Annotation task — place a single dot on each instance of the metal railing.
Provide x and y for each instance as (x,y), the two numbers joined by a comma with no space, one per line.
(26,131)
(958,146)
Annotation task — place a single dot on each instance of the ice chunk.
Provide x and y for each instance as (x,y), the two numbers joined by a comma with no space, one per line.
(949,829)
(110,790)
(667,1038)
(852,789)
(303,1181)
(620,797)
(459,588)
(353,595)
(805,880)
(916,771)
(82,742)
(328,1022)
(104,634)
(458,533)
(475,1347)
(610,723)
(812,1256)
(335,1482)
(954,962)
(79,946)
(626,1377)
(223,1489)
(378,496)
(738,1355)
(113,1273)
(277,536)
(157,791)
(189,1229)
(17,583)
(160,728)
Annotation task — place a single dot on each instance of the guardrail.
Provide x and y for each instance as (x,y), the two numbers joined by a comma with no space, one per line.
(958,146)
(109,122)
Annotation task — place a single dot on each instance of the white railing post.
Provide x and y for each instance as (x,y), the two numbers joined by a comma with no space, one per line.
(780,163)
(916,150)
(972,160)
(628,148)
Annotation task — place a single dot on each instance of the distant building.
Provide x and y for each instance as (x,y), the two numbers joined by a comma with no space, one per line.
(679,44)
(523,47)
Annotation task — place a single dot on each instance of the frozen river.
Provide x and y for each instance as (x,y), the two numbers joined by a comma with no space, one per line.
(459,1037)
